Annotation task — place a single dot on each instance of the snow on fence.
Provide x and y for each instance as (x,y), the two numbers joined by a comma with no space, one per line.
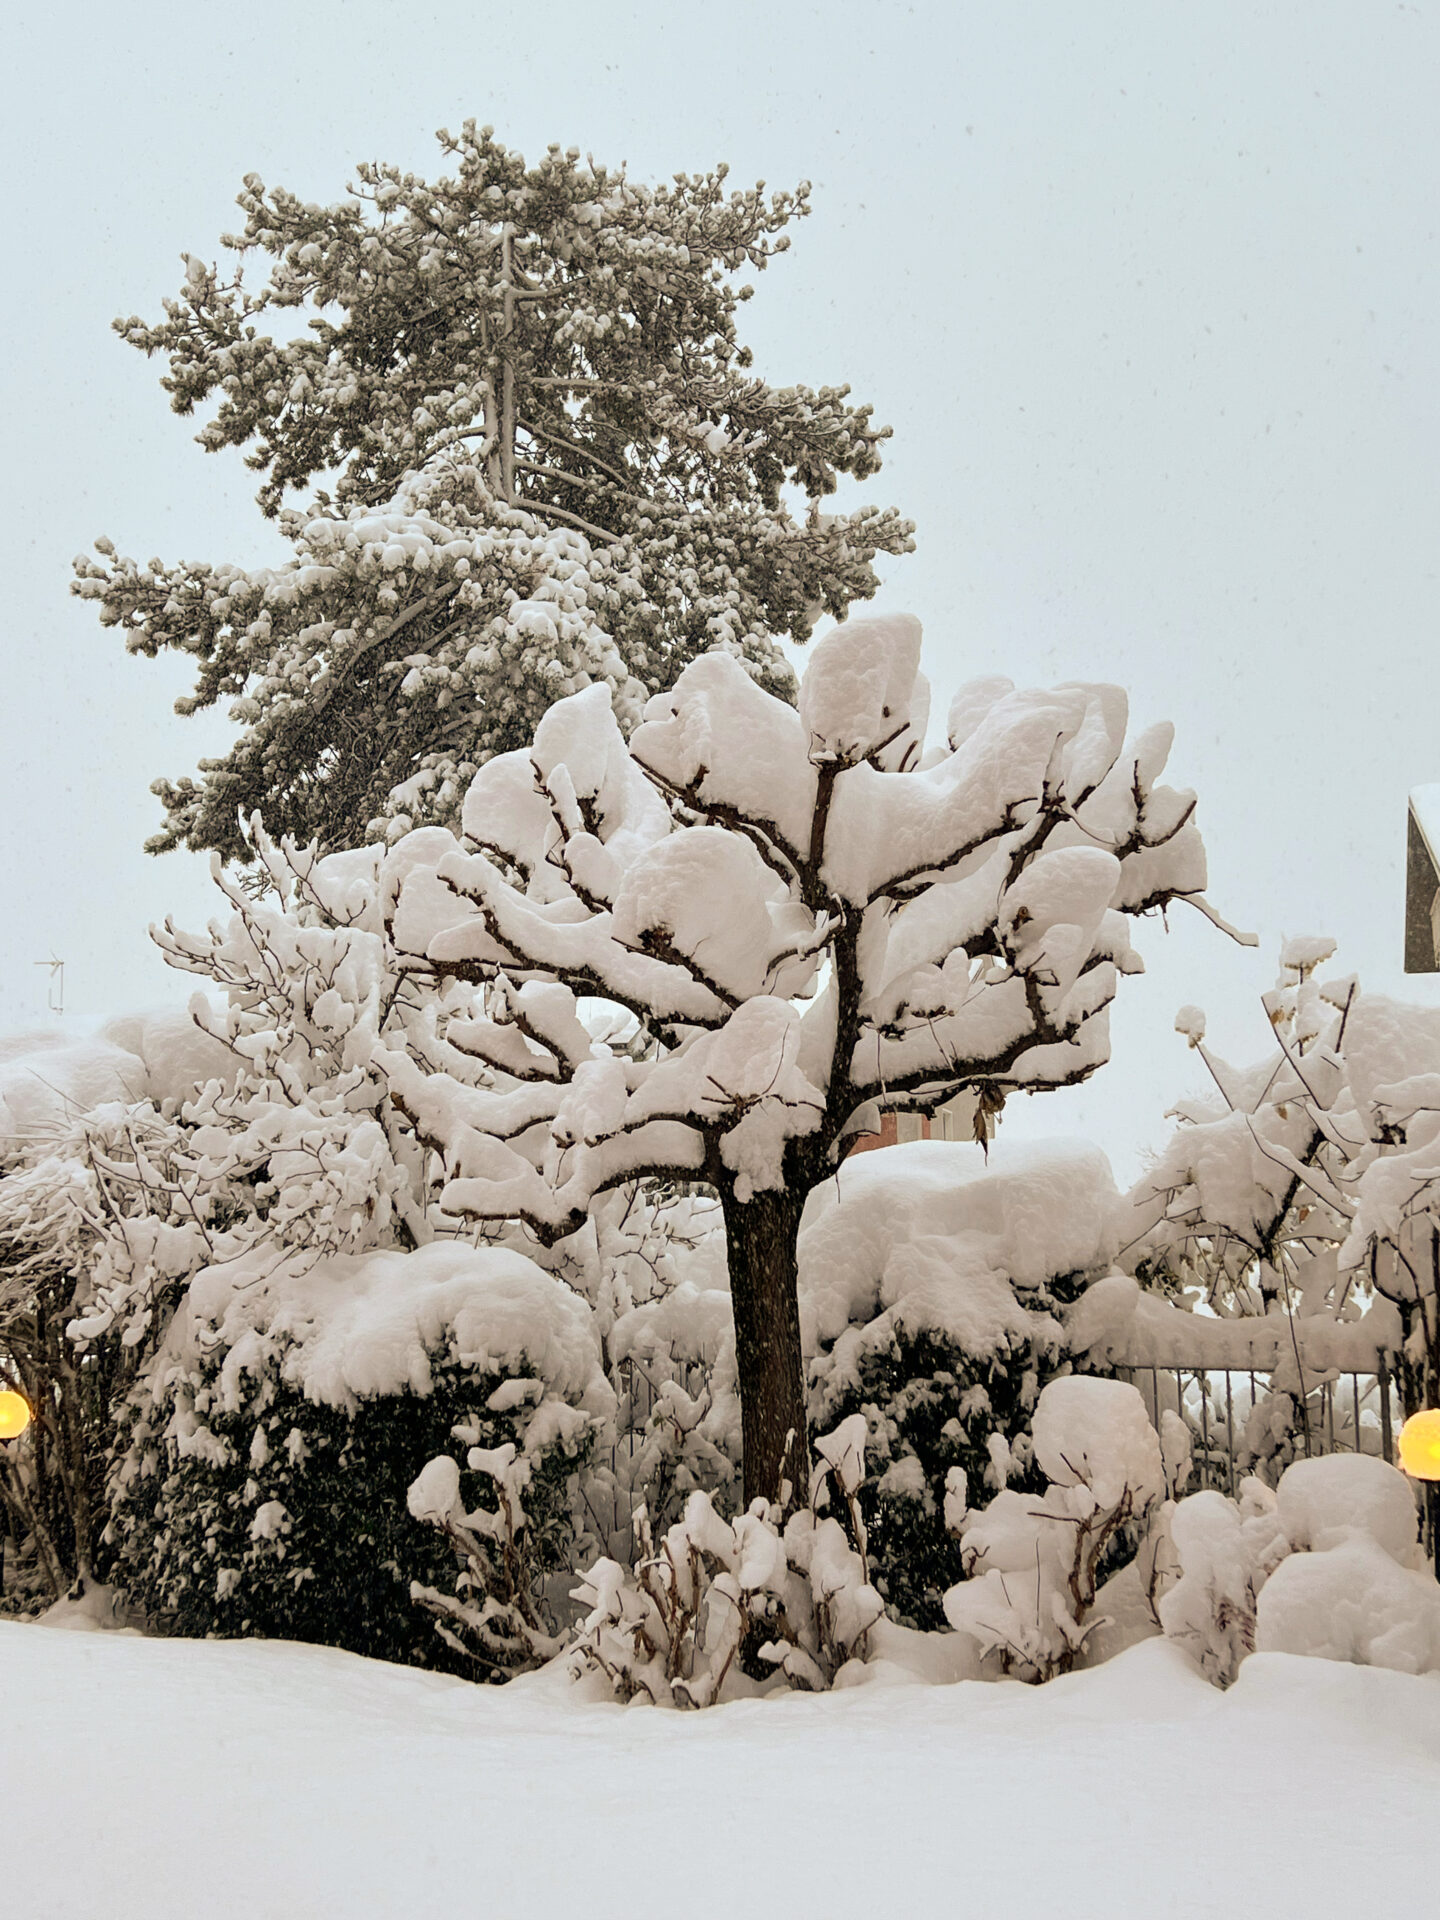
(1353,1412)
(1215,1373)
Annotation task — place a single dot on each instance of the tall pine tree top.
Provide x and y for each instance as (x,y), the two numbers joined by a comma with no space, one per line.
(540,459)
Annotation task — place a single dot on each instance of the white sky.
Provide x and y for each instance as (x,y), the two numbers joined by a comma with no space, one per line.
(1150,294)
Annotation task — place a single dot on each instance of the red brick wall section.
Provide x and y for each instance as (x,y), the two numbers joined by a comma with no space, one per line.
(888,1135)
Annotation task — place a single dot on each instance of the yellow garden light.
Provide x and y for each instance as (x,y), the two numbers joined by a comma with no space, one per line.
(14,1414)
(1420,1445)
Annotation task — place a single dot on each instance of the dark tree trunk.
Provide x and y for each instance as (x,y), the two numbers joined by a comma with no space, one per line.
(760,1236)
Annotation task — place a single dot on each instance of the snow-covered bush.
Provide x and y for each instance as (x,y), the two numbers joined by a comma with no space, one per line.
(1033,1563)
(933,1280)
(1224,1551)
(95,1199)
(293,1404)
(809,921)
(678,1419)
(496,1619)
(791,1593)
(1326,1565)
(1354,1587)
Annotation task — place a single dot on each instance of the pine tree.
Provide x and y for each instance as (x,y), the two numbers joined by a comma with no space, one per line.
(541,460)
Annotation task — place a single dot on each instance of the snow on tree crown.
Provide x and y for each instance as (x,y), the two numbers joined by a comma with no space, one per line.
(806,916)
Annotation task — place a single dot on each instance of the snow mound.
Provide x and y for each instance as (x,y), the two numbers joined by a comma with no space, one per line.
(178,1056)
(1324,1503)
(48,1079)
(1355,1603)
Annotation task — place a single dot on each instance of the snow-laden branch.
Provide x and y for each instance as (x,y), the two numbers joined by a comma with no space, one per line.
(804,913)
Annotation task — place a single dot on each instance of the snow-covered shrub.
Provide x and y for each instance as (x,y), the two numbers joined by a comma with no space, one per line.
(293,1404)
(1354,1587)
(792,1594)
(496,1618)
(1033,1563)
(678,1415)
(102,1208)
(932,1284)
(650,1261)
(253,1119)
(1224,1552)
(1325,1565)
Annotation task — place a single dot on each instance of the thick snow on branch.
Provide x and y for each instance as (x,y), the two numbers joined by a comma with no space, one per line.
(803,912)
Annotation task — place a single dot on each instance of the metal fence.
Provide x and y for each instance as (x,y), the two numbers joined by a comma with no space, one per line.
(1349,1412)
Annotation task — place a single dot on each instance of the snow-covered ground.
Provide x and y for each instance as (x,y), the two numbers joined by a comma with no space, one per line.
(157,1778)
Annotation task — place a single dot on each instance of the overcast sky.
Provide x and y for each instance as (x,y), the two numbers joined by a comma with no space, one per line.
(1149,293)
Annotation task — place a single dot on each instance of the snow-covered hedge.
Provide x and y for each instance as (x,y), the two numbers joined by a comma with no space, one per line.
(290,1409)
(932,1286)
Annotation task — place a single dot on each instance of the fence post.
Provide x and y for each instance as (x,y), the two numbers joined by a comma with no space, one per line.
(1230,1427)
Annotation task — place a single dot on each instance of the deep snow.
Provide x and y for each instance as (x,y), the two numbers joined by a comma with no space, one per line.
(157,1778)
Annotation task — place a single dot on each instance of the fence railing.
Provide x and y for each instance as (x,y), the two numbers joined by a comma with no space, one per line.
(1355,1411)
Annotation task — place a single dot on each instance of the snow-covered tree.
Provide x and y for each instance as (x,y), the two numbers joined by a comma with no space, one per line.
(1307,1183)
(551,464)
(810,920)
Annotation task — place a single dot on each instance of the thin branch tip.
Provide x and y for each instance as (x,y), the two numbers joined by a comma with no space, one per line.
(1202,905)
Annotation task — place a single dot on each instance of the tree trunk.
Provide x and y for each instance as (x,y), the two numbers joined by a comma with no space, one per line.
(507,378)
(760,1236)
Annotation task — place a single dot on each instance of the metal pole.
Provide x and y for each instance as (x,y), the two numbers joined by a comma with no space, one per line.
(1204,1380)
(1387,1444)
(1230,1426)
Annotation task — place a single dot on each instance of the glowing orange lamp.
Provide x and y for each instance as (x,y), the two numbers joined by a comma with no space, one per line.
(14,1414)
(1420,1445)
